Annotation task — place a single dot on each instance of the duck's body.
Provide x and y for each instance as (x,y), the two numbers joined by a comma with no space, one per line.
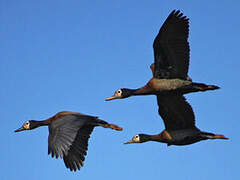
(171,61)
(179,122)
(179,86)
(163,87)
(158,86)
(68,135)
(184,136)
(168,84)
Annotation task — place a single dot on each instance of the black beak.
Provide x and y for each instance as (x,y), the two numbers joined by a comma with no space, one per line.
(20,129)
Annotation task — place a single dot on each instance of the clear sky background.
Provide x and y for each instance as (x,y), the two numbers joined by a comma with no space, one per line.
(70,55)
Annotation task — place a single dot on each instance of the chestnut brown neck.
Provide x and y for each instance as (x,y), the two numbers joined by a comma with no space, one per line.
(145,90)
(163,137)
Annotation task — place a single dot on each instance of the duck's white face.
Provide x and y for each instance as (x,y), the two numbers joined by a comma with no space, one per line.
(135,139)
(26,125)
(117,95)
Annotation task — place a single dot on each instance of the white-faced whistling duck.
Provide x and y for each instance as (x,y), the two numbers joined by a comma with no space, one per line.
(179,120)
(68,135)
(171,61)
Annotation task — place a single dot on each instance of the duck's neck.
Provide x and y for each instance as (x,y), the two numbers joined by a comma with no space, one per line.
(36,124)
(131,92)
(140,91)
(147,137)
(163,137)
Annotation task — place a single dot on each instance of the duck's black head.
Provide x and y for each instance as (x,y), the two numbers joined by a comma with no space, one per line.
(139,138)
(28,125)
(122,93)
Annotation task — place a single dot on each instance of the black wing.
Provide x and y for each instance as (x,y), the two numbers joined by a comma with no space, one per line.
(68,138)
(171,48)
(176,112)
(78,150)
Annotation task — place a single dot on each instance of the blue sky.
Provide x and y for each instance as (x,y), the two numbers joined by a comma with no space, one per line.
(70,55)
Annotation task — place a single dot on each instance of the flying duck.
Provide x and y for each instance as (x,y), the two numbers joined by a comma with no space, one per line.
(68,135)
(171,61)
(179,121)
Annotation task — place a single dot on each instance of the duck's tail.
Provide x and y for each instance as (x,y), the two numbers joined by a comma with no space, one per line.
(112,126)
(213,136)
(204,87)
(107,125)
(196,87)
(218,136)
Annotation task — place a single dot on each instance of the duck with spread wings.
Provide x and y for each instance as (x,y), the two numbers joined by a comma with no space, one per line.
(171,61)
(179,121)
(69,133)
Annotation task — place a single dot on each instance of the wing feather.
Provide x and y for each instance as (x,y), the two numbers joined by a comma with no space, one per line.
(171,47)
(176,112)
(68,138)
(79,147)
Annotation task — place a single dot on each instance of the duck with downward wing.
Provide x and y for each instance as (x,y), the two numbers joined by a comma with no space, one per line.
(179,120)
(68,135)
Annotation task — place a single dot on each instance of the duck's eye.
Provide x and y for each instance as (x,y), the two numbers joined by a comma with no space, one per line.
(27,123)
(136,136)
(119,91)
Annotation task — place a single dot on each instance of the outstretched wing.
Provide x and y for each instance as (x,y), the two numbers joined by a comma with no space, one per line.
(78,150)
(68,138)
(171,48)
(176,112)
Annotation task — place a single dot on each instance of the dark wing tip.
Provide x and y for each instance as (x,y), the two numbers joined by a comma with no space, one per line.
(75,157)
(178,14)
(73,162)
(174,12)
(185,18)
